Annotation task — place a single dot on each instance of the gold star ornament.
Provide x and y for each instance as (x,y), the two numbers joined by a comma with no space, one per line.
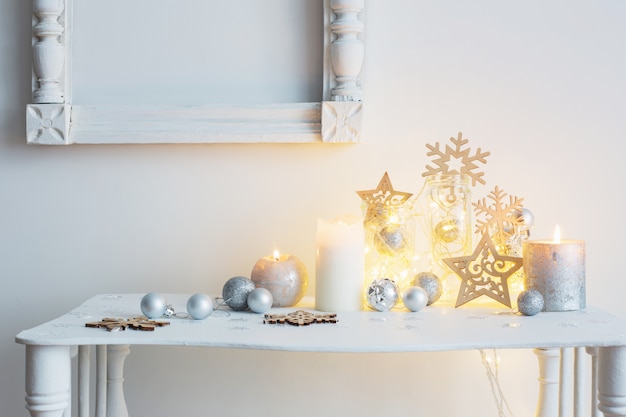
(384,196)
(485,272)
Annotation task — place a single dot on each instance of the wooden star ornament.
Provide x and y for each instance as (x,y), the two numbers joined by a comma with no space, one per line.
(383,196)
(485,272)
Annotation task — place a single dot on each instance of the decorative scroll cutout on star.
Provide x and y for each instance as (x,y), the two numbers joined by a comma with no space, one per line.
(300,318)
(459,154)
(384,196)
(485,272)
(135,323)
(497,217)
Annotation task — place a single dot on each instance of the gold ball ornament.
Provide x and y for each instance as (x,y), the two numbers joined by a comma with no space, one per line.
(447,231)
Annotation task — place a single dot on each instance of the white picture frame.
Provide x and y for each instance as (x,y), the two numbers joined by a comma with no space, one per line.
(52,119)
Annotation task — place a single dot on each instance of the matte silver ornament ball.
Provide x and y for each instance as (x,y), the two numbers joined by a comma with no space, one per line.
(153,305)
(260,300)
(431,284)
(415,298)
(530,302)
(200,306)
(382,294)
(235,292)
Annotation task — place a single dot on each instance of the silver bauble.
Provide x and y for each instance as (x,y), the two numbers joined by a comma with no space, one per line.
(200,306)
(260,300)
(390,240)
(431,284)
(415,298)
(530,302)
(153,305)
(235,292)
(527,217)
(382,294)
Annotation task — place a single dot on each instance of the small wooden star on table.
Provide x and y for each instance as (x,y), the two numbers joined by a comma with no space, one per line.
(135,323)
(300,318)
(485,272)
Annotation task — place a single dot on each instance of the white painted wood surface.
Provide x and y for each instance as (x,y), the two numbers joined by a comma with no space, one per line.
(52,119)
(436,328)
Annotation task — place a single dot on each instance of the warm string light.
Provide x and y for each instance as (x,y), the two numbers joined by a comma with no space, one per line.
(492,366)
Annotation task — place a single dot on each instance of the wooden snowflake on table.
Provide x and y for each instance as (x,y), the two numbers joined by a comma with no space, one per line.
(499,217)
(135,323)
(445,161)
(485,272)
(300,318)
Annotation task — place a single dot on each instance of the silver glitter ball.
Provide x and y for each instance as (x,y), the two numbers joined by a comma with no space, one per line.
(390,240)
(235,292)
(200,306)
(153,305)
(431,284)
(415,298)
(260,300)
(530,302)
(382,294)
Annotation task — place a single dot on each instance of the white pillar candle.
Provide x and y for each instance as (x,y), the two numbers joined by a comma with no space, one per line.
(557,270)
(339,271)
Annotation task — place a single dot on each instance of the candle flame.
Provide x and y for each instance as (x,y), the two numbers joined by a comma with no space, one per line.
(276,255)
(557,234)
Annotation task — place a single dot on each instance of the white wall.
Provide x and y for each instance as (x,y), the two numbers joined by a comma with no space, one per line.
(540,84)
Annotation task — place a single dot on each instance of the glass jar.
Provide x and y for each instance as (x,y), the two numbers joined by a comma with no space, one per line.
(389,242)
(449,224)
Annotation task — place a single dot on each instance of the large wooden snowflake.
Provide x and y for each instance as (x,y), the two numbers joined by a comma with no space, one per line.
(135,323)
(497,216)
(459,154)
(485,272)
(300,318)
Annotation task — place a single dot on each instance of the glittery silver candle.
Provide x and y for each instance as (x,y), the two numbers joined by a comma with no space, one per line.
(557,270)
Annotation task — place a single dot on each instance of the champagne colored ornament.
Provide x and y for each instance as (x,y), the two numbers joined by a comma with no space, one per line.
(530,302)
(447,231)
(382,294)
(235,292)
(431,284)
(260,300)
(415,298)
(200,306)
(153,305)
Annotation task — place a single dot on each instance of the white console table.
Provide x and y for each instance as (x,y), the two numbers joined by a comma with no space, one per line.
(560,340)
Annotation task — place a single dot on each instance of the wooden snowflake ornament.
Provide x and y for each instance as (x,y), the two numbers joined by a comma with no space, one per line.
(499,216)
(135,323)
(300,318)
(485,272)
(456,160)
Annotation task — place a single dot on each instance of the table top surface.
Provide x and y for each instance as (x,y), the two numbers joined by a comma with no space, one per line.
(435,328)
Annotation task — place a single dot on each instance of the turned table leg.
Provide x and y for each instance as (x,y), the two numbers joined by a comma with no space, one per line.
(115,401)
(548,402)
(612,381)
(48,380)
